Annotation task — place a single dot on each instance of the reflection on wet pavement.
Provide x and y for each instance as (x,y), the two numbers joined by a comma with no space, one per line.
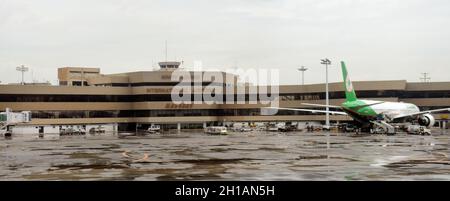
(238,156)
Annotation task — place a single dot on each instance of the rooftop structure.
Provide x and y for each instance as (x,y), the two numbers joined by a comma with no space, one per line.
(76,76)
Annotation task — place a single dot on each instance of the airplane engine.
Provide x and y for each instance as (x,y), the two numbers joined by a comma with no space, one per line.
(426,120)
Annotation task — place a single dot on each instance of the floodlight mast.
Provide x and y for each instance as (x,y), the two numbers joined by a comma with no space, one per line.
(22,69)
(302,69)
(326,62)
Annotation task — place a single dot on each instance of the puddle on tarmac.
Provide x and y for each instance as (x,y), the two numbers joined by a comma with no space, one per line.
(238,156)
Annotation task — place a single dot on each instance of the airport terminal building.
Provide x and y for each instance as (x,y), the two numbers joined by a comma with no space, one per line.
(125,101)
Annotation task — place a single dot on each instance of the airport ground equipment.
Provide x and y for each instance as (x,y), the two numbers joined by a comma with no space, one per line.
(418,129)
(381,127)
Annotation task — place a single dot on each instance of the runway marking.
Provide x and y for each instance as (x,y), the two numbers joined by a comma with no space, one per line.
(144,159)
(442,154)
(125,154)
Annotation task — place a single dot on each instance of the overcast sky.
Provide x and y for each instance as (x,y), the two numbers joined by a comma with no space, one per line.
(379,39)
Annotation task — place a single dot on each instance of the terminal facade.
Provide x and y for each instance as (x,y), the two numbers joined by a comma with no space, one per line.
(125,101)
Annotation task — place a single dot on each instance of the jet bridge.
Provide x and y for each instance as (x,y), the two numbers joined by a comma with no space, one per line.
(9,118)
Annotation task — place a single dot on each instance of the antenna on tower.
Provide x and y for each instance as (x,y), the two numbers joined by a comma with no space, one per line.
(166,51)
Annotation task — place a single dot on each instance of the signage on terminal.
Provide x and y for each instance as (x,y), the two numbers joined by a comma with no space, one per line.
(166,77)
(178,106)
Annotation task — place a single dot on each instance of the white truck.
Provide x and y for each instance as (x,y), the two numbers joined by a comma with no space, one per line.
(417,129)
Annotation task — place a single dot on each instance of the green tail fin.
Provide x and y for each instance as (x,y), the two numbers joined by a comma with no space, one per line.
(350,94)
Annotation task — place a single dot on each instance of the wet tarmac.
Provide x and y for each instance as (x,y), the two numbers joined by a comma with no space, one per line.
(238,156)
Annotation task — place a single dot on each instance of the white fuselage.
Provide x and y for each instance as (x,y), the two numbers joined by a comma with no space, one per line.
(392,109)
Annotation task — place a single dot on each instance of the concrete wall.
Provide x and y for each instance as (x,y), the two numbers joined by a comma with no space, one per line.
(48,129)
(55,129)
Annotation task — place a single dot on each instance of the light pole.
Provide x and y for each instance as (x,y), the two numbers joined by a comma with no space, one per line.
(22,69)
(302,69)
(425,78)
(326,62)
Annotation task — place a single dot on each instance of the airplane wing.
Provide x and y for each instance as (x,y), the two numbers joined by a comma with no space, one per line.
(306,110)
(320,105)
(419,113)
(339,107)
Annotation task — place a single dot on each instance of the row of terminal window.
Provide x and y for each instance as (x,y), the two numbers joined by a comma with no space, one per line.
(154,113)
(168,97)
(166,113)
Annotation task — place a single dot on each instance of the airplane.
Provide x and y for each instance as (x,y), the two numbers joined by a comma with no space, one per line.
(374,114)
